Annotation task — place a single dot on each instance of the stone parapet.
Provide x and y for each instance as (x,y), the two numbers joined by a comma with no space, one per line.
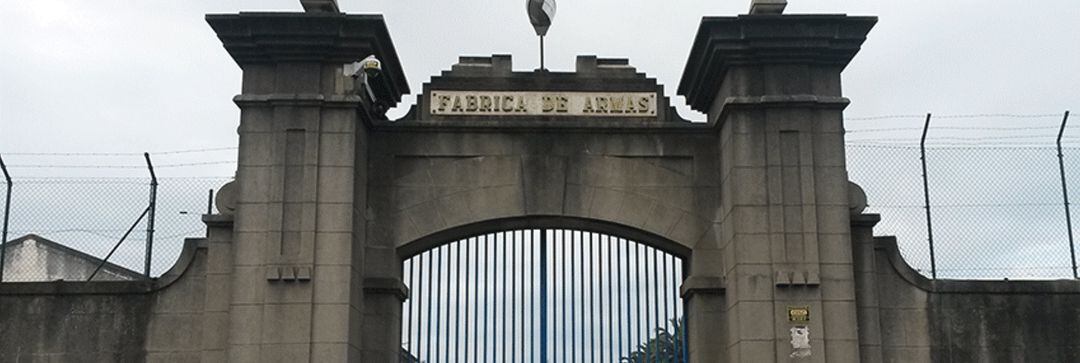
(328,38)
(723,43)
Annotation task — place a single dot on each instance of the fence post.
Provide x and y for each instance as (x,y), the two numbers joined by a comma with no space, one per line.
(210,202)
(1065,194)
(150,217)
(7,212)
(926,196)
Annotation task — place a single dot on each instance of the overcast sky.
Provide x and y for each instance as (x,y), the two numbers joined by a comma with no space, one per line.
(129,76)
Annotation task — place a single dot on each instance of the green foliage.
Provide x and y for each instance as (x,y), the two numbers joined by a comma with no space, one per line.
(665,347)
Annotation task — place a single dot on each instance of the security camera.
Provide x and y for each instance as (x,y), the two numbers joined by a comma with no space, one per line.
(370,66)
(372,83)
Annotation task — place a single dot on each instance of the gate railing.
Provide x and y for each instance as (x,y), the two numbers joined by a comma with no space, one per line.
(544,295)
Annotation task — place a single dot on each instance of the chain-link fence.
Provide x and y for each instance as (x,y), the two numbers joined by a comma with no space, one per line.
(993,182)
(996,203)
(63,228)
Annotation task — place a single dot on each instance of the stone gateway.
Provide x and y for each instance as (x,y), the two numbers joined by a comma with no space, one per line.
(304,263)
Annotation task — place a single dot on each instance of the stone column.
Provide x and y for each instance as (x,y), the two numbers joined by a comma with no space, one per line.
(296,293)
(771,83)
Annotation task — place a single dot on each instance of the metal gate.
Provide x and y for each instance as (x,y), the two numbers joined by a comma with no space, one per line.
(543,295)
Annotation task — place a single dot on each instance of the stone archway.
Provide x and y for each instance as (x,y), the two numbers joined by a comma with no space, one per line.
(332,195)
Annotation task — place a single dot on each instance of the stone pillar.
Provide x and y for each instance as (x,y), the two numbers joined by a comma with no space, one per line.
(771,83)
(297,256)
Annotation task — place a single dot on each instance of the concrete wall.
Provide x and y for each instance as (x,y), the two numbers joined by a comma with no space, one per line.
(115,321)
(904,317)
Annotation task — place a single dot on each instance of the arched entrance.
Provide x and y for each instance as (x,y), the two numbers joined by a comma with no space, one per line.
(542,295)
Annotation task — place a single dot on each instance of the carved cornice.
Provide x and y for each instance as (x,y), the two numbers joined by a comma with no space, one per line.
(261,38)
(724,42)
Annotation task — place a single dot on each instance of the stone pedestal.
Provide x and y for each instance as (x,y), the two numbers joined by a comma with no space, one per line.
(298,256)
(771,83)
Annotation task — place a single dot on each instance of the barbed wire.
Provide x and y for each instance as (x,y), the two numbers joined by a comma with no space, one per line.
(956,116)
(84,166)
(963,128)
(954,146)
(154,153)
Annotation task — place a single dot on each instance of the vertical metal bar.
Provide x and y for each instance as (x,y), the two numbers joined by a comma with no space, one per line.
(476,264)
(502,295)
(469,245)
(210,202)
(487,291)
(657,295)
(457,302)
(926,196)
(637,295)
(684,326)
(592,300)
(573,300)
(674,304)
(648,303)
(581,325)
(532,295)
(522,296)
(449,302)
(597,271)
(409,317)
(419,313)
(613,279)
(1065,194)
(668,296)
(430,305)
(438,300)
(512,293)
(564,327)
(627,322)
(543,297)
(150,216)
(7,214)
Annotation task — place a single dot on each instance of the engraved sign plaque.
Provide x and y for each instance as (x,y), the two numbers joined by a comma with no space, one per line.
(514,103)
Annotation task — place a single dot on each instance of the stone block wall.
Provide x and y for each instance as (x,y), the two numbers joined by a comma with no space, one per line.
(905,317)
(114,321)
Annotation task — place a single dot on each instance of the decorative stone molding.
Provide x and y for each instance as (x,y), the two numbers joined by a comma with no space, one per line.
(726,42)
(288,273)
(386,285)
(701,285)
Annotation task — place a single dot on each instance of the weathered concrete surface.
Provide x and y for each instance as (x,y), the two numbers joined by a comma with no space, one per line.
(115,321)
(904,317)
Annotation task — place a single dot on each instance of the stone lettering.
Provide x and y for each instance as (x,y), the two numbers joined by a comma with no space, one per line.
(470,103)
(553,103)
(616,105)
(485,103)
(508,103)
(520,105)
(444,101)
(457,104)
(549,104)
